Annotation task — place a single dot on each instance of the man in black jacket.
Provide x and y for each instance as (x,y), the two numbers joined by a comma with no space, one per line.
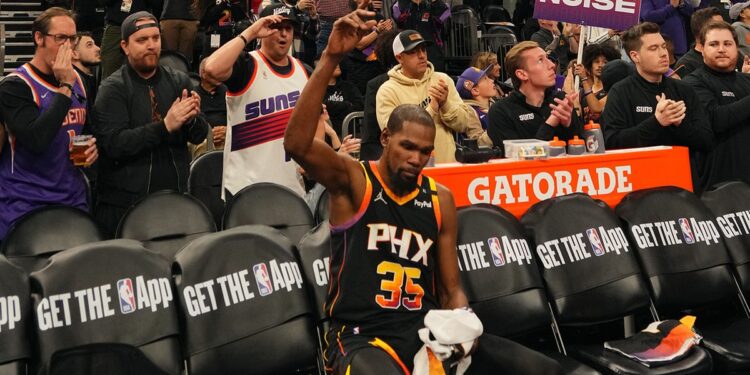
(144,118)
(725,94)
(534,109)
(648,109)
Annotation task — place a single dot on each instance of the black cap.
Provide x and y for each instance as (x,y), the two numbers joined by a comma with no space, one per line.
(407,40)
(287,12)
(128,26)
(615,71)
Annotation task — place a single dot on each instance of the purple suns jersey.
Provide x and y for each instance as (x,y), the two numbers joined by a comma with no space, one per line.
(29,180)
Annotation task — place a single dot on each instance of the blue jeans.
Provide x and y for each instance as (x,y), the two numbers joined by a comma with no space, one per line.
(322,40)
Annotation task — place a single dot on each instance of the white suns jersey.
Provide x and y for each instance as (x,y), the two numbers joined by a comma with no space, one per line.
(257,117)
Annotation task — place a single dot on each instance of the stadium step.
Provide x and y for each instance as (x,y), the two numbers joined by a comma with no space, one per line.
(17,17)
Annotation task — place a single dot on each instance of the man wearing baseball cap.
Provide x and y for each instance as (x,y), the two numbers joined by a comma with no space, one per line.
(144,116)
(477,89)
(262,88)
(740,14)
(415,81)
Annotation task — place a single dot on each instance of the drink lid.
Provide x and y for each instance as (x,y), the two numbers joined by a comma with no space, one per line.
(555,142)
(576,141)
(591,125)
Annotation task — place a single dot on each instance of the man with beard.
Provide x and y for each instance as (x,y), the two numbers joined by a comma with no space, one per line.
(379,298)
(86,56)
(648,109)
(725,94)
(144,116)
(262,87)
(43,105)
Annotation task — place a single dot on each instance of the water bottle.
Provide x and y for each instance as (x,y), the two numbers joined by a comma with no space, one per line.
(576,146)
(594,138)
(556,147)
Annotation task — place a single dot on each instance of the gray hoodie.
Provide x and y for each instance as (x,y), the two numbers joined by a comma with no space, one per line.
(743,35)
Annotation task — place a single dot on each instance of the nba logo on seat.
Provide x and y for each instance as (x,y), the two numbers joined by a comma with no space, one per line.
(127,298)
(687,233)
(596,242)
(496,251)
(261,277)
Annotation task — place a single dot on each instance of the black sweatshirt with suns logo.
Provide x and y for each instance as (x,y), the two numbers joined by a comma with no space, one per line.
(628,119)
(726,97)
(513,118)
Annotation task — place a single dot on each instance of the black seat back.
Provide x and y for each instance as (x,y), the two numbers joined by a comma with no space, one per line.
(244,306)
(45,231)
(314,253)
(15,318)
(174,60)
(587,264)
(93,300)
(498,272)
(273,205)
(678,246)
(204,182)
(166,221)
(730,204)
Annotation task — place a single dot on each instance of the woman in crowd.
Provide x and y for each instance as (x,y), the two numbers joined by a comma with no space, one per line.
(593,97)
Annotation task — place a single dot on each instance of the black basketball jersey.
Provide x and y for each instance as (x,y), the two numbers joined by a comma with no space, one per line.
(382,265)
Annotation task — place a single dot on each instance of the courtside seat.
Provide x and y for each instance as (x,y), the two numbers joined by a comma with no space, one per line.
(690,269)
(502,282)
(730,203)
(204,182)
(166,221)
(15,319)
(105,308)
(314,253)
(273,205)
(45,231)
(592,277)
(244,305)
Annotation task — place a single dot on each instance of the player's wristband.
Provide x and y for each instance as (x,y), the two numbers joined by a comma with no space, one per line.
(65,84)
(243,38)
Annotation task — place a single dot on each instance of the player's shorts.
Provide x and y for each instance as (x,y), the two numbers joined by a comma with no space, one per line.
(344,342)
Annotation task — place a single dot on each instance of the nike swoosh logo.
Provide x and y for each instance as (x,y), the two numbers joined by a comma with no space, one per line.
(45,94)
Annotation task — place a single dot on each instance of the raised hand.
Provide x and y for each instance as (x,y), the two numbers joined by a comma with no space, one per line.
(348,30)
(63,66)
(262,27)
(92,153)
(563,108)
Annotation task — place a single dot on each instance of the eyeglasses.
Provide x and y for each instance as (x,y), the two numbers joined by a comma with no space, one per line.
(62,38)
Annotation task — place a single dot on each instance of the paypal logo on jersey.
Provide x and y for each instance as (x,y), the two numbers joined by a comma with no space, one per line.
(270,105)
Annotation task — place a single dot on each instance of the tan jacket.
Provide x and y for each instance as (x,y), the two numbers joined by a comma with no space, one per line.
(474,129)
(453,116)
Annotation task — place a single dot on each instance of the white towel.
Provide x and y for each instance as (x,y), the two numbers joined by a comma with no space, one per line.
(455,332)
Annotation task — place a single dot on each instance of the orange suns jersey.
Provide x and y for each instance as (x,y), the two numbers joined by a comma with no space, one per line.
(383,259)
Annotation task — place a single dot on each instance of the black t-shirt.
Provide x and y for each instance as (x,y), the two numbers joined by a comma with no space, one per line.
(214,106)
(342,99)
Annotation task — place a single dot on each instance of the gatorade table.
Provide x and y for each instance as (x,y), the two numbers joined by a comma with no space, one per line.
(516,185)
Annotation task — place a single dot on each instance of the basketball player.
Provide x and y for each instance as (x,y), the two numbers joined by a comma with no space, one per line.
(393,236)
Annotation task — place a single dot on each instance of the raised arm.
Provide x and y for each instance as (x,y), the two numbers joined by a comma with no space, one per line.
(219,64)
(338,173)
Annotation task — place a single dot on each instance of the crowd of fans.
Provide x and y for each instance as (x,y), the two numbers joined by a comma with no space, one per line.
(677,78)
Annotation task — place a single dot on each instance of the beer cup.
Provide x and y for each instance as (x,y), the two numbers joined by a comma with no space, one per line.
(78,151)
